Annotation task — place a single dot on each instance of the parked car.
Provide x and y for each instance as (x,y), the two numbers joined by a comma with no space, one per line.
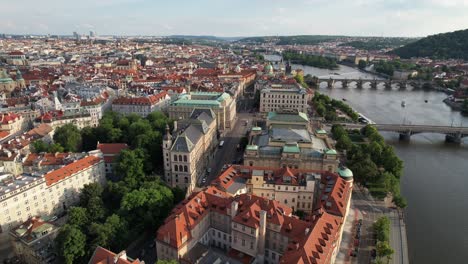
(356,242)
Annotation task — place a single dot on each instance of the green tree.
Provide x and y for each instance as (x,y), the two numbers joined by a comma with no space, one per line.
(464,109)
(382,229)
(78,216)
(384,250)
(400,201)
(96,209)
(39,146)
(69,137)
(70,243)
(89,191)
(54,148)
(130,167)
(362,64)
(88,136)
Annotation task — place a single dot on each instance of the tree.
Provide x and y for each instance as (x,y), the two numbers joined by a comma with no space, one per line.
(382,229)
(464,109)
(39,146)
(54,148)
(70,243)
(384,250)
(78,216)
(69,137)
(96,209)
(130,167)
(89,191)
(88,136)
(400,201)
(362,64)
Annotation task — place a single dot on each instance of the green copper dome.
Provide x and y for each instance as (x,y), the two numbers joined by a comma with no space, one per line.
(345,172)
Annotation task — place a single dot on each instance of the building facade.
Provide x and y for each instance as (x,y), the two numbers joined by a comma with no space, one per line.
(288,141)
(189,149)
(253,229)
(141,105)
(275,97)
(25,195)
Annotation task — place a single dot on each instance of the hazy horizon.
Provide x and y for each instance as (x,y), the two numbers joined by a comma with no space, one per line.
(242,18)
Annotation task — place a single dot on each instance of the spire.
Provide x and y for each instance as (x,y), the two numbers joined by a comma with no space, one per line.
(167,136)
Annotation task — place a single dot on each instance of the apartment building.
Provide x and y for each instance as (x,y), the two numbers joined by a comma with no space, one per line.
(222,104)
(188,150)
(253,229)
(33,241)
(287,140)
(141,105)
(46,192)
(293,187)
(105,256)
(59,118)
(276,97)
(11,122)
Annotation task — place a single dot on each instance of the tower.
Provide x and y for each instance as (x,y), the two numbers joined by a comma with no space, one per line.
(167,144)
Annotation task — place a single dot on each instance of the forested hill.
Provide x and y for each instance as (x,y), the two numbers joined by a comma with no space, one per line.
(452,45)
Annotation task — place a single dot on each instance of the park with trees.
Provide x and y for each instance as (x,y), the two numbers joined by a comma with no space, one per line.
(133,203)
(326,107)
(373,162)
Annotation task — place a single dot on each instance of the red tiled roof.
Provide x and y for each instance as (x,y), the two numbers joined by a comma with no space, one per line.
(148,100)
(70,169)
(111,148)
(104,256)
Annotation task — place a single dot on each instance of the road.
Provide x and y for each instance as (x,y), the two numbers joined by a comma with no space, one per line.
(371,210)
(229,154)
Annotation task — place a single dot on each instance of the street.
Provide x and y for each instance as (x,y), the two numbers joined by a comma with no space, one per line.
(229,154)
(371,210)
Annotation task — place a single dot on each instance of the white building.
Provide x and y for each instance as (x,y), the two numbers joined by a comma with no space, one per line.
(26,195)
(141,105)
(276,97)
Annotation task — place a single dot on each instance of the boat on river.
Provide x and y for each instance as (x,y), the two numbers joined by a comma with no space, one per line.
(403,103)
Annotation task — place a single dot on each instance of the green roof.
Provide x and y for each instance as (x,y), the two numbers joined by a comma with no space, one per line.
(300,117)
(330,152)
(197,102)
(252,147)
(345,172)
(291,149)
(223,97)
(320,131)
(256,129)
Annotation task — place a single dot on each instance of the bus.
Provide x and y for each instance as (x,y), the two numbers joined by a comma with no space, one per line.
(221,144)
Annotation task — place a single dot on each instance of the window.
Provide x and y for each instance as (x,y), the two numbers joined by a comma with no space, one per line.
(180,168)
(224,236)
(251,244)
(293,200)
(175,157)
(185,158)
(180,157)
(243,242)
(176,168)
(185,168)
(186,179)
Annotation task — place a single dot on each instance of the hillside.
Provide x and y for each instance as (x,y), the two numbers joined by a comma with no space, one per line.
(291,40)
(452,45)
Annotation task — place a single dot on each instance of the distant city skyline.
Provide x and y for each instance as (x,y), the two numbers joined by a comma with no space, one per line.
(405,18)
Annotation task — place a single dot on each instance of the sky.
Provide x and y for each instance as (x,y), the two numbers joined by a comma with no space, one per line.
(405,18)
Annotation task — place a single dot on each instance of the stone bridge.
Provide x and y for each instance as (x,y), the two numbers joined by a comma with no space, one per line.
(452,134)
(402,84)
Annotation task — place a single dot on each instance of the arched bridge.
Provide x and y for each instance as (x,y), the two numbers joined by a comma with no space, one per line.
(452,134)
(402,84)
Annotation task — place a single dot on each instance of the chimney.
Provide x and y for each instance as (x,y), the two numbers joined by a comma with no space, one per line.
(234,207)
(306,231)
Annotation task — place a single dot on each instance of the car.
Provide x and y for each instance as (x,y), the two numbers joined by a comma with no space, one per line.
(224,167)
(352,253)
(356,242)
(203,180)
(358,236)
(53,218)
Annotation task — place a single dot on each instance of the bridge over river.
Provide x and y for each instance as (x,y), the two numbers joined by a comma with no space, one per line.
(402,84)
(452,134)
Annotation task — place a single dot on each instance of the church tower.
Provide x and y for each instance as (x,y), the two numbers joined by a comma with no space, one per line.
(167,145)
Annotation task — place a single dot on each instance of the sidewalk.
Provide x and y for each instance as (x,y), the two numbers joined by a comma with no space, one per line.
(347,240)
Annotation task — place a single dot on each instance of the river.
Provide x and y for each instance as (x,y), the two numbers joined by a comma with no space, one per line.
(435,177)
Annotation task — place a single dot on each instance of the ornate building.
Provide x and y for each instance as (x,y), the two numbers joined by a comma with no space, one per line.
(8,84)
(288,141)
(189,149)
